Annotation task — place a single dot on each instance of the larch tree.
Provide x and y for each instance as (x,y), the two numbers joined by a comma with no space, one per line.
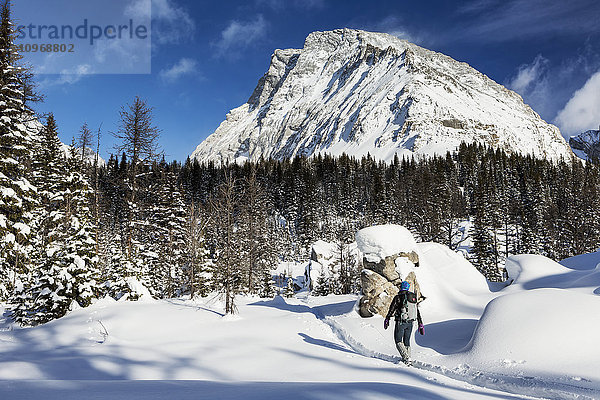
(84,141)
(138,137)
(226,208)
(198,263)
(259,253)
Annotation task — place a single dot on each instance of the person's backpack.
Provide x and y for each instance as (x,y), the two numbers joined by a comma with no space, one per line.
(408,309)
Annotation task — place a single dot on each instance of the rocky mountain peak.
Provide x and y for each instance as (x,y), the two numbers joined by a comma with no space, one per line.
(357,92)
(587,144)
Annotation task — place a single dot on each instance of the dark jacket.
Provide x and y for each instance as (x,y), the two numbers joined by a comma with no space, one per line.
(402,299)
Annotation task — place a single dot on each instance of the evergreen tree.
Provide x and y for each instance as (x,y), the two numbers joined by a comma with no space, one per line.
(17,194)
(485,247)
(65,258)
(256,235)
(322,286)
(289,288)
(165,236)
(267,287)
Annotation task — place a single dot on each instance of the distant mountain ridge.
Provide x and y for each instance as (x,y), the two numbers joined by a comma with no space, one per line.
(356,92)
(587,144)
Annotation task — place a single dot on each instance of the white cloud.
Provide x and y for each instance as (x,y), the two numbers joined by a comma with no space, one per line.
(582,111)
(171,23)
(548,86)
(185,66)
(529,75)
(141,9)
(68,76)
(279,5)
(493,20)
(532,81)
(239,35)
(125,55)
(394,26)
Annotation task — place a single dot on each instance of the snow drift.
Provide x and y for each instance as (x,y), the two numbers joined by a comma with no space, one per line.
(527,272)
(542,332)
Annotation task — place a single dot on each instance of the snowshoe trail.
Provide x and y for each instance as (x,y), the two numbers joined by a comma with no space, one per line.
(520,385)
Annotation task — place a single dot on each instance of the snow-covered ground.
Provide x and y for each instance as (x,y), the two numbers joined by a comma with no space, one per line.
(536,338)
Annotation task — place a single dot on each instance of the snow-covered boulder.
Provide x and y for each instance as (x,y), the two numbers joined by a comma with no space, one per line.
(298,271)
(381,241)
(322,252)
(538,332)
(389,256)
(581,273)
(452,284)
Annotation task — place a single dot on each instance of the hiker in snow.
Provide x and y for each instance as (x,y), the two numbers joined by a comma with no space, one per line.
(405,311)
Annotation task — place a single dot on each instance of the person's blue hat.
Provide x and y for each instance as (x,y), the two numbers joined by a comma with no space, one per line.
(404,285)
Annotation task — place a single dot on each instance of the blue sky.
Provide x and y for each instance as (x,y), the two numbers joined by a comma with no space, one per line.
(207,56)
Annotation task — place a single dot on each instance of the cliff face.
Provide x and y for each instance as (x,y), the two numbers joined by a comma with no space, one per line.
(360,92)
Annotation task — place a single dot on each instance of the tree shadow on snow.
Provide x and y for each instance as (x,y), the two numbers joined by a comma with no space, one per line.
(204,390)
(193,306)
(54,357)
(321,311)
(279,303)
(582,262)
(447,337)
(324,343)
(396,391)
(568,280)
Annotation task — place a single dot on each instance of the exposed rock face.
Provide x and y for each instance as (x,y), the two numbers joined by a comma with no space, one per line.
(381,282)
(387,266)
(378,293)
(588,143)
(389,257)
(356,92)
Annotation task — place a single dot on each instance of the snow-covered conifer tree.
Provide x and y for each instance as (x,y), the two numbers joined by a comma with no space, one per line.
(322,286)
(256,232)
(16,191)
(198,263)
(227,277)
(289,288)
(65,257)
(165,236)
(267,288)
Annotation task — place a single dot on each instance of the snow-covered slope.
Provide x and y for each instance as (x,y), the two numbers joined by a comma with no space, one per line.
(360,92)
(536,337)
(587,144)
(176,349)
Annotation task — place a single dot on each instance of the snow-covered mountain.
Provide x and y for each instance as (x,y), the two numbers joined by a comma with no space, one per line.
(587,144)
(360,92)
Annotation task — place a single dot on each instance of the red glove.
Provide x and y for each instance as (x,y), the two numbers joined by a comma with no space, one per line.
(386,323)
(421,329)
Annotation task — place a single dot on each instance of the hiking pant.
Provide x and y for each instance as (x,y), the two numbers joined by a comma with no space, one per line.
(402,332)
